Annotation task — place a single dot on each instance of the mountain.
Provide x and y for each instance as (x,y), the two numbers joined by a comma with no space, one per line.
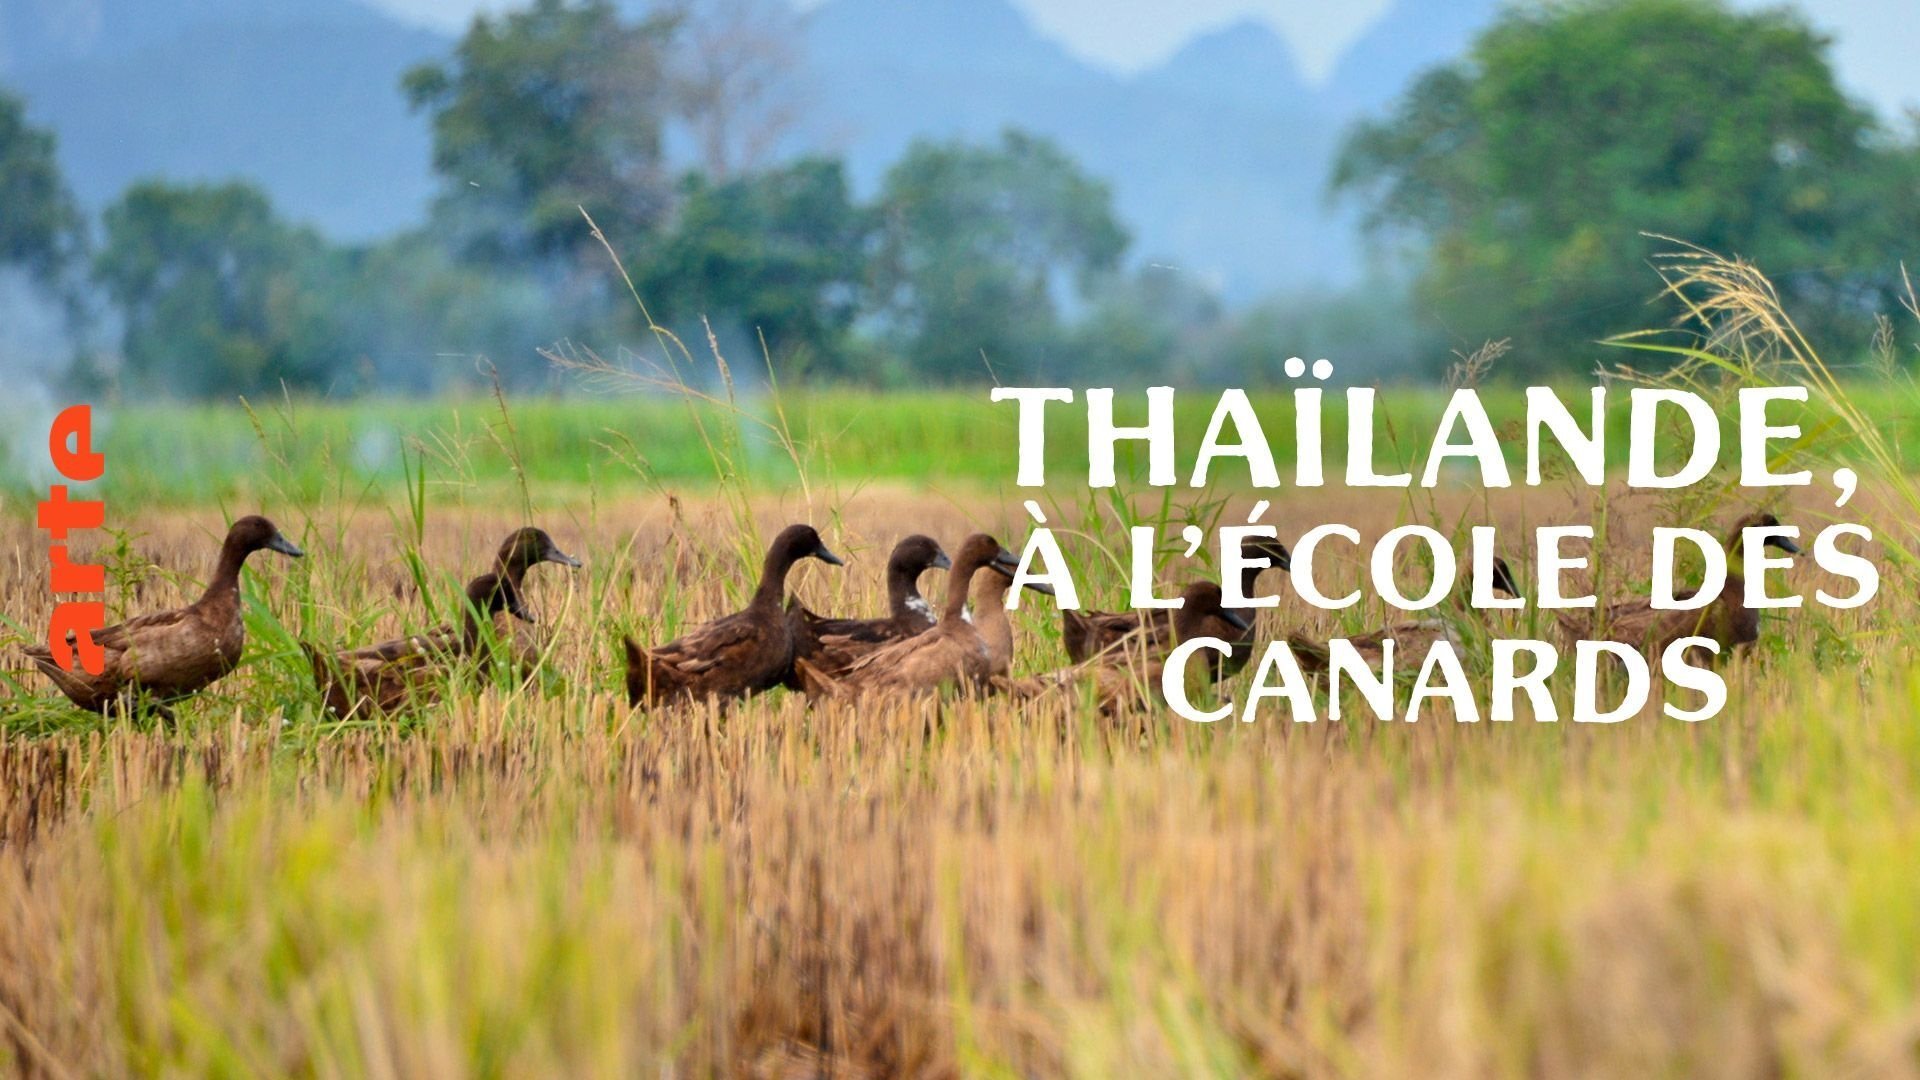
(1243,64)
(1217,158)
(1411,37)
(35,33)
(301,96)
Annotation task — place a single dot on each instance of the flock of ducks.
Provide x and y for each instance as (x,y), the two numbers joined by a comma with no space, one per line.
(156,659)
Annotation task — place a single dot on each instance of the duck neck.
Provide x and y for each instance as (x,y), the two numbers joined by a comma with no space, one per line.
(772,592)
(959,580)
(1189,622)
(902,586)
(511,570)
(469,630)
(1250,579)
(990,618)
(226,574)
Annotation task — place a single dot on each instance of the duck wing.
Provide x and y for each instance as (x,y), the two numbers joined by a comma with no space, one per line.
(1086,634)
(167,654)
(1412,641)
(713,645)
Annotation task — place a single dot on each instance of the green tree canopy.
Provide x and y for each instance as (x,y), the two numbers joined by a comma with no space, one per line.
(218,295)
(779,254)
(41,229)
(1530,169)
(541,112)
(981,246)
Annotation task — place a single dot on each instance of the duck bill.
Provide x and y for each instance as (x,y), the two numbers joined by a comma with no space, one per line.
(284,546)
(827,557)
(1007,559)
(1784,543)
(941,562)
(555,555)
(1040,587)
(1236,620)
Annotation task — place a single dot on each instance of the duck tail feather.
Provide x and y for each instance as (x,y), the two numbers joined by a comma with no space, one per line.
(1313,655)
(814,682)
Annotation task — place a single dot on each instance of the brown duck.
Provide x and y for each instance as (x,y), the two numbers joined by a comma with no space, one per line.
(833,645)
(526,548)
(1086,634)
(1727,620)
(410,671)
(744,653)
(167,655)
(1121,671)
(953,652)
(1412,641)
(989,615)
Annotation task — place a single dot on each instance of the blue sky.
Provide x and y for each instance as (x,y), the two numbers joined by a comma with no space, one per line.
(1877,38)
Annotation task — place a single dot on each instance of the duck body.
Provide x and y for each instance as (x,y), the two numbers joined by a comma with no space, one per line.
(952,653)
(747,652)
(164,656)
(834,645)
(1412,640)
(411,671)
(1726,619)
(1129,669)
(1088,634)
(525,639)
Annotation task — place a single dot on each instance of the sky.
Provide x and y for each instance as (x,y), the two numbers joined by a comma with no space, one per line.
(1876,38)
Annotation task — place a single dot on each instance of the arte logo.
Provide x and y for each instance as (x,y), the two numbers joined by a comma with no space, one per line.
(70,634)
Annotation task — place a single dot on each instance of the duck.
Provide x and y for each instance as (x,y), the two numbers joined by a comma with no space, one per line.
(989,615)
(833,645)
(747,652)
(157,659)
(1086,634)
(522,550)
(1121,671)
(1727,619)
(1412,641)
(954,652)
(410,671)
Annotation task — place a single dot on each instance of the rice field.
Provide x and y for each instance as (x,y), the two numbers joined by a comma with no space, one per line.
(533,880)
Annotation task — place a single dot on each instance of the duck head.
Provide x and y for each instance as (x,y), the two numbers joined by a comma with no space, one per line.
(1503,579)
(981,550)
(917,554)
(977,551)
(1203,600)
(794,543)
(255,533)
(1006,569)
(797,542)
(1268,548)
(1761,520)
(530,546)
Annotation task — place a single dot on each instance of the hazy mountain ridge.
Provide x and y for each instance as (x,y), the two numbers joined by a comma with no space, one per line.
(1217,157)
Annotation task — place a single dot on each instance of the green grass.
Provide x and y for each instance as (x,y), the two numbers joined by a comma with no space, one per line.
(310,452)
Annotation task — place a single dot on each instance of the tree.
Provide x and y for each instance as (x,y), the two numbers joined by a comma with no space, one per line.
(217,294)
(542,112)
(778,254)
(736,81)
(1529,170)
(981,246)
(42,231)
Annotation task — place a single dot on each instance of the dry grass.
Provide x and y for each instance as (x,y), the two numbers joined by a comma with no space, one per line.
(531,881)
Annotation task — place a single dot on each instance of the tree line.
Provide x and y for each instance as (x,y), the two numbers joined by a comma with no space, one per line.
(1507,192)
